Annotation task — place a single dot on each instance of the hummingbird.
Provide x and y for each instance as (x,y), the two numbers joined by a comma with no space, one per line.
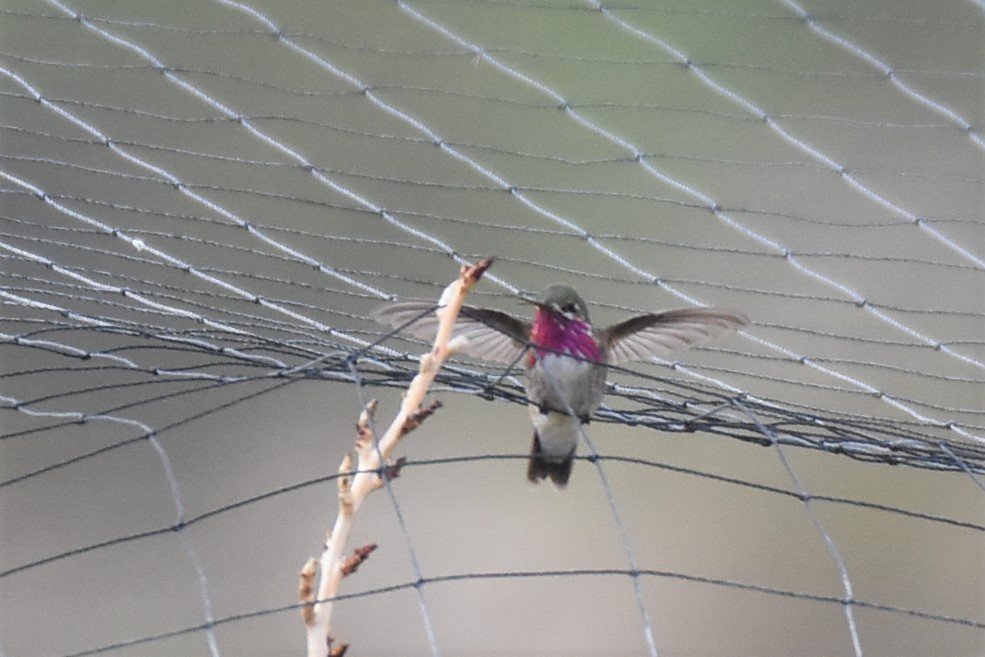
(564,357)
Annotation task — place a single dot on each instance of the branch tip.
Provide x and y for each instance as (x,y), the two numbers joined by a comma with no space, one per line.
(415,419)
(358,556)
(475,272)
(392,471)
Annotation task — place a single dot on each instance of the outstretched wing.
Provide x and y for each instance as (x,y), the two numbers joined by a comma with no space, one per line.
(658,334)
(491,334)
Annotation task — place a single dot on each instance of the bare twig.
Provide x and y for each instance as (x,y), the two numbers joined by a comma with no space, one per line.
(373,466)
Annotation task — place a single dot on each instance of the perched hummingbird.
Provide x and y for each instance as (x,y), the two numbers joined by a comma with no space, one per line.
(565,357)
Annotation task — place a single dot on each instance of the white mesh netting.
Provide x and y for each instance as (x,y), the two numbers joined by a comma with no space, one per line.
(201,203)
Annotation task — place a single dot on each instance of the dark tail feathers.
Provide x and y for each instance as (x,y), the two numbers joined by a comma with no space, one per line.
(539,468)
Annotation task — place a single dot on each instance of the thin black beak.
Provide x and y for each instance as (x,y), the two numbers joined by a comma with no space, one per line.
(532,302)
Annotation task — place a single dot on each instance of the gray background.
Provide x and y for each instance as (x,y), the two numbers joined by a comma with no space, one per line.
(171,142)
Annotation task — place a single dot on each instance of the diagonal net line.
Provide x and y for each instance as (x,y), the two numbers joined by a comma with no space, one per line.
(415,561)
(707,201)
(887,71)
(890,74)
(825,160)
(244,121)
(620,525)
(523,198)
(801,494)
(756,416)
(401,521)
(141,246)
(146,432)
(829,542)
(276,365)
(716,208)
(964,466)
(814,152)
(872,439)
(805,360)
(446,147)
(229,215)
(945,446)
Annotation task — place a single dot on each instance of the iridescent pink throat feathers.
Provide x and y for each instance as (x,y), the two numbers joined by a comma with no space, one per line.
(554,334)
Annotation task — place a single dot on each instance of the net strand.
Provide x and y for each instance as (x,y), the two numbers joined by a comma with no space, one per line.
(412,552)
(227,322)
(701,197)
(829,543)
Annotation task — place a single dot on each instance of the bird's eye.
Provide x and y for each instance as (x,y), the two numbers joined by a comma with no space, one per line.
(570,308)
